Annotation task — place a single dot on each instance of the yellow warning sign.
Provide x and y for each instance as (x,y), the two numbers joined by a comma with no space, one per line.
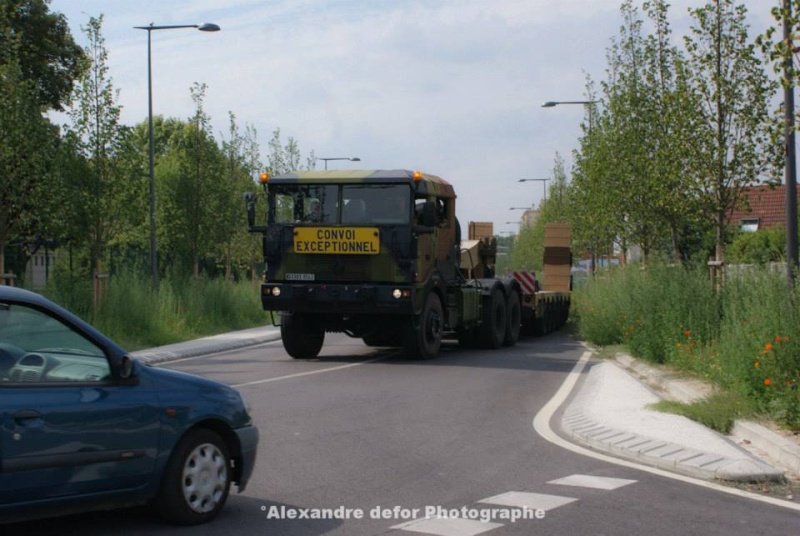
(337,240)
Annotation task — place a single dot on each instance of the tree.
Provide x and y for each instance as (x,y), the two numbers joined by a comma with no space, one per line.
(285,158)
(40,42)
(27,143)
(242,164)
(730,145)
(192,173)
(99,138)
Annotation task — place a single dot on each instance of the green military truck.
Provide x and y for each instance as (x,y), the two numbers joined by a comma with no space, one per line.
(377,255)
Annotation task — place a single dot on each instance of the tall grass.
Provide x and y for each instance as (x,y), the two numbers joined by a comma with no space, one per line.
(132,314)
(744,337)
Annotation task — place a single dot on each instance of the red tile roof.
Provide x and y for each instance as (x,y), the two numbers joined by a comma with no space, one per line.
(766,203)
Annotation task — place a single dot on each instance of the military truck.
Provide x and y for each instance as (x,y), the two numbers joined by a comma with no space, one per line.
(377,255)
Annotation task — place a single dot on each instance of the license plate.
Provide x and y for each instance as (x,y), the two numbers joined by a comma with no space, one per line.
(300,277)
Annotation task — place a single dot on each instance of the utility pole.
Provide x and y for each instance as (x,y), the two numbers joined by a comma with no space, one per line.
(790,171)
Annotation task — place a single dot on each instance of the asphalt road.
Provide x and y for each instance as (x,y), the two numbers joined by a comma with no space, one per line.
(373,443)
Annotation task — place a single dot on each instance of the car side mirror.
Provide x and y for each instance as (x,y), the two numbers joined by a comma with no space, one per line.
(126,367)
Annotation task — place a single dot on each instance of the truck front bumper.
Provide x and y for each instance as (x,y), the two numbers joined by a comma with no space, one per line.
(337,298)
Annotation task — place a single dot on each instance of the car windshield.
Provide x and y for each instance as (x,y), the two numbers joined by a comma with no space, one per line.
(350,204)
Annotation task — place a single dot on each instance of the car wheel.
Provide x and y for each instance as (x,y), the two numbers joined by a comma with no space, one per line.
(197,479)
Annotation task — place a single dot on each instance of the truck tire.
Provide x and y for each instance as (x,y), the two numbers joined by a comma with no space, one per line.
(493,328)
(300,339)
(423,340)
(513,319)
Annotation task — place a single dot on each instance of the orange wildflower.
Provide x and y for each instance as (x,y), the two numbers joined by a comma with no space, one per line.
(767,382)
(686,333)
(767,347)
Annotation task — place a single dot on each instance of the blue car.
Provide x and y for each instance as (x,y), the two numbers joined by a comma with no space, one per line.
(83,426)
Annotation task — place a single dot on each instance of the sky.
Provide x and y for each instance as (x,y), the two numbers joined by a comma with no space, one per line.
(449,87)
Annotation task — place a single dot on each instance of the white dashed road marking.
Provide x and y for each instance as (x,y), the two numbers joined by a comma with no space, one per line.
(448,527)
(532,501)
(596,482)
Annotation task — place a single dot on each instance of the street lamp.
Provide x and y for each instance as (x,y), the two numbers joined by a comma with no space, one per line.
(205,27)
(543,181)
(551,104)
(350,158)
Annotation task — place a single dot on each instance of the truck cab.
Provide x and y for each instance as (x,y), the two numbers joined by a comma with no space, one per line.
(373,254)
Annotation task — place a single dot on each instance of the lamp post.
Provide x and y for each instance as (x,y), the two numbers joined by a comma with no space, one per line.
(543,181)
(588,103)
(350,158)
(205,27)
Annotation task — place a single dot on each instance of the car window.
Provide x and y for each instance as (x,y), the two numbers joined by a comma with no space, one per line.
(38,348)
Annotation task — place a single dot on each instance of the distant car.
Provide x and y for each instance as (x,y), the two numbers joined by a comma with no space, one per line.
(83,426)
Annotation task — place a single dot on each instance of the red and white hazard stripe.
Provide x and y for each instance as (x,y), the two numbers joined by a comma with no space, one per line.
(527,280)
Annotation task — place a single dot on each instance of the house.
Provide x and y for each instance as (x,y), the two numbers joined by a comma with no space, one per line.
(764,208)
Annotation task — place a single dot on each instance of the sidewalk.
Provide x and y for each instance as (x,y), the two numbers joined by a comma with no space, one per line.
(209,345)
(610,414)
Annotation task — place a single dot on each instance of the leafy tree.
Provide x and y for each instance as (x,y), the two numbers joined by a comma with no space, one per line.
(285,158)
(192,171)
(40,42)
(730,146)
(98,135)
(242,164)
(27,143)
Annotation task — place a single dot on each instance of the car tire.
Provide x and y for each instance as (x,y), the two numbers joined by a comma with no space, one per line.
(197,479)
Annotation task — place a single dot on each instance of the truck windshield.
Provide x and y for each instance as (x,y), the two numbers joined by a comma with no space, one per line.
(360,204)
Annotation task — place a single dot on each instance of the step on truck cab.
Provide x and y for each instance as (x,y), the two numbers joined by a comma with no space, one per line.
(375,255)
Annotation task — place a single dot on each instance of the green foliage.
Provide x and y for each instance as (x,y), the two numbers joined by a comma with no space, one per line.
(41,43)
(759,248)
(182,309)
(744,338)
(27,141)
(718,412)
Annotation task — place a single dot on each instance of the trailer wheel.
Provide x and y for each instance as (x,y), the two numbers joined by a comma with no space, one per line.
(300,338)
(513,320)
(493,329)
(423,340)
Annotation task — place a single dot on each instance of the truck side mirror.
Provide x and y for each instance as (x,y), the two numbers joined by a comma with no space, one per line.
(429,214)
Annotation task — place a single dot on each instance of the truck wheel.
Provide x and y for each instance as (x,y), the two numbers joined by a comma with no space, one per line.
(513,320)
(197,479)
(493,329)
(423,341)
(300,340)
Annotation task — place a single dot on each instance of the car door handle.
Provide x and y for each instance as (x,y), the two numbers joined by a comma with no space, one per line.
(26,415)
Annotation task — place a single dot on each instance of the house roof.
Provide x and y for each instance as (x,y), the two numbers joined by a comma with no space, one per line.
(767,204)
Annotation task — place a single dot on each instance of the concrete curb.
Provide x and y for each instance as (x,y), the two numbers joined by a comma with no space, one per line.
(783,452)
(209,345)
(732,463)
(775,449)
